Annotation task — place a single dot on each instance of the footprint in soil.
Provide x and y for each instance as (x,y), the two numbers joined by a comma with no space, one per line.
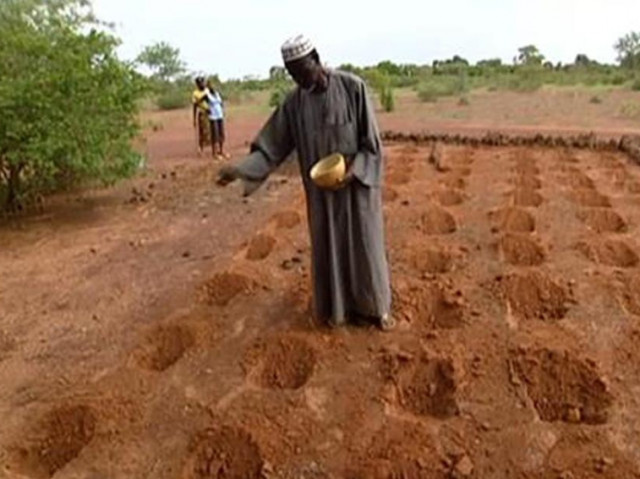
(603,221)
(164,347)
(609,253)
(527,197)
(58,439)
(224,287)
(287,219)
(428,388)
(281,363)
(513,220)
(223,453)
(437,221)
(534,296)
(260,247)
(520,250)
(589,198)
(561,386)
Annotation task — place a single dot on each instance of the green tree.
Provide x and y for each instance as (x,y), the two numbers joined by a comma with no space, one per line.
(490,63)
(628,48)
(163,60)
(389,68)
(583,60)
(278,74)
(69,106)
(530,55)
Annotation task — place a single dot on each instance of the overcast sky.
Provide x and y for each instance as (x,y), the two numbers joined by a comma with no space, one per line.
(242,37)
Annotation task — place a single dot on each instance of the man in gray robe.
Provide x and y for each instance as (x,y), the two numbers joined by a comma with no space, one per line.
(328,113)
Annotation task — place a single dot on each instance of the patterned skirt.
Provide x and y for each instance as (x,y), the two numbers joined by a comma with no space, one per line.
(204,130)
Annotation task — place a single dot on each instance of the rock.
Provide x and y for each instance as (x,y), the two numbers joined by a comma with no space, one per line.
(464,467)
(574,415)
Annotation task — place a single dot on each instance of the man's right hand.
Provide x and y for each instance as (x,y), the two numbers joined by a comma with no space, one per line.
(226,175)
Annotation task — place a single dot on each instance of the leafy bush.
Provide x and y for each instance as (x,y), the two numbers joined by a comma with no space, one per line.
(173,99)
(69,106)
(442,86)
(618,79)
(387,98)
(278,95)
(526,80)
(635,86)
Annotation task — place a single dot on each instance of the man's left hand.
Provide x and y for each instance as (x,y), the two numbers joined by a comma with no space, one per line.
(348,177)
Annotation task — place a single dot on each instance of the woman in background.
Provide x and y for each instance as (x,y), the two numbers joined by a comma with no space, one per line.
(216,120)
(201,114)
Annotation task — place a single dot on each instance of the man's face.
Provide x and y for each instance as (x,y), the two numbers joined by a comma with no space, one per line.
(304,71)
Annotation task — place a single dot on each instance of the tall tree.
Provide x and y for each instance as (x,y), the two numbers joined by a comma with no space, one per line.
(628,48)
(530,55)
(163,60)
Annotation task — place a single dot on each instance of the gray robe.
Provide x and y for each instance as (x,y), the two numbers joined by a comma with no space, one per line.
(350,271)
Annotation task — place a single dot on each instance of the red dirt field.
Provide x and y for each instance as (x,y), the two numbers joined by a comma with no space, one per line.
(165,332)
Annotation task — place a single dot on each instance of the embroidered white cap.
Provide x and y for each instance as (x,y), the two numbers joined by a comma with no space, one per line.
(296,47)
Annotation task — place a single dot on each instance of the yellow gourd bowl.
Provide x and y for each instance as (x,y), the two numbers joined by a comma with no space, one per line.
(330,171)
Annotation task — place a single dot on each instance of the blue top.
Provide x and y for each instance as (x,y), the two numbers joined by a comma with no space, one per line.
(216,111)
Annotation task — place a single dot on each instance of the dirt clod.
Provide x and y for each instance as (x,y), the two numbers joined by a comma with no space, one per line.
(520,250)
(562,387)
(535,296)
(225,453)
(429,390)
(432,306)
